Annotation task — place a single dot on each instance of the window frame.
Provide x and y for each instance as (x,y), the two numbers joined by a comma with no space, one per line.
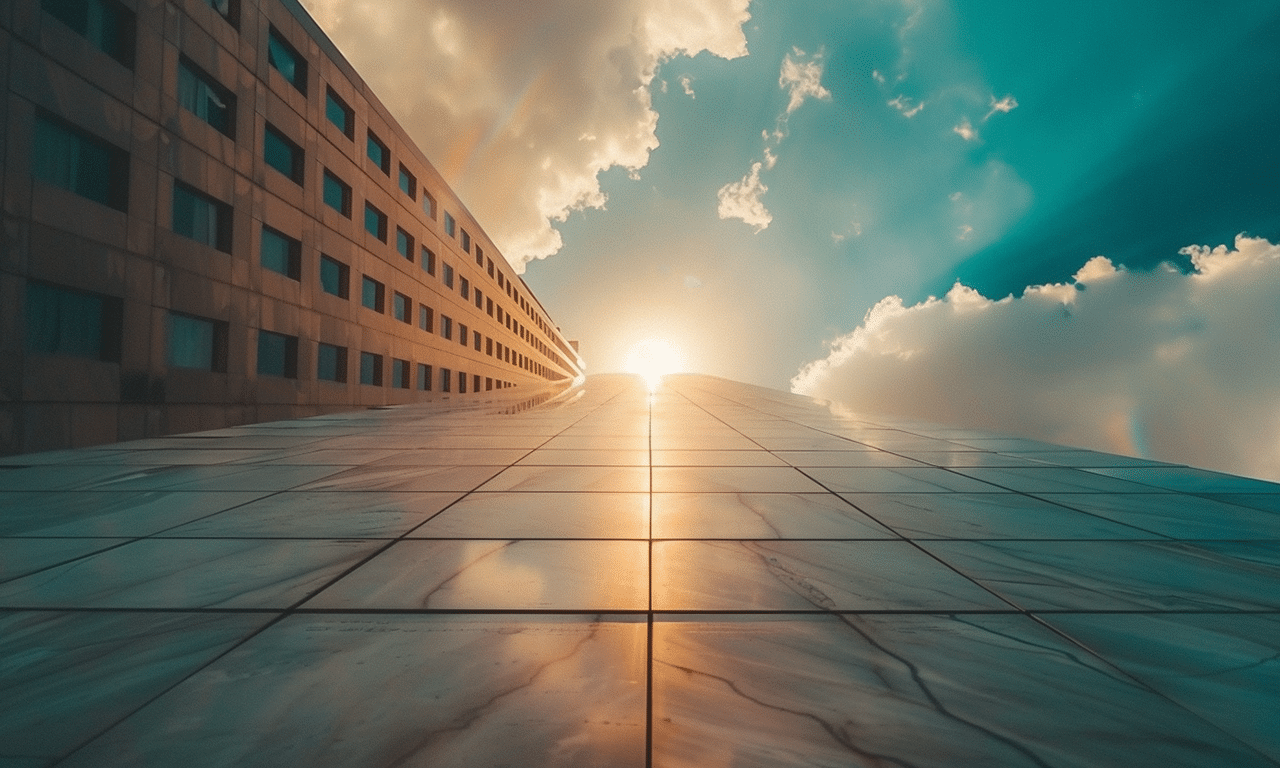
(69,169)
(297,158)
(300,67)
(383,162)
(289,369)
(293,253)
(379,304)
(331,179)
(194,72)
(343,276)
(219,334)
(332,99)
(340,363)
(222,230)
(380,219)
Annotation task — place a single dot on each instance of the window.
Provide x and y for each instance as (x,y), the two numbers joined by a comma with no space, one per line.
(489,262)
(424,377)
(77,161)
(428,260)
(429,206)
(282,154)
(425,318)
(203,97)
(408,184)
(195,342)
(201,218)
(448,275)
(371,369)
(401,308)
(475,336)
(371,294)
(61,321)
(479,300)
(446,327)
(286,60)
(277,355)
(227,9)
(479,256)
(331,363)
(335,276)
(463,335)
(379,153)
(399,373)
(337,193)
(466,241)
(465,288)
(488,346)
(488,383)
(107,24)
(488,307)
(500,281)
(446,379)
(404,243)
(475,383)
(281,253)
(462,383)
(375,222)
(339,113)
(450,226)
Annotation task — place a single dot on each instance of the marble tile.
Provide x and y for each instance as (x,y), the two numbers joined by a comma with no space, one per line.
(542,515)
(597,443)
(171,457)
(1223,667)
(453,457)
(985,516)
(872,458)
(754,458)
(508,575)
(109,513)
(76,674)
(760,516)
(917,691)
(189,573)
(1011,444)
(21,556)
(1051,480)
(1080,458)
(1189,480)
(392,478)
(807,575)
(1267,502)
(568,458)
(1178,515)
(970,459)
(323,515)
(223,477)
(732,480)
(571,478)
(683,441)
(58,477)
(431,691)
(815,442)
(1122,575)
(906,480)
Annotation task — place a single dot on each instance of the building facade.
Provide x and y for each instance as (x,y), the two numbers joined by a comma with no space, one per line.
(210,220)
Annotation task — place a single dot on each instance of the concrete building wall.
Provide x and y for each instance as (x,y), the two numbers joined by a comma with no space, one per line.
(123,252)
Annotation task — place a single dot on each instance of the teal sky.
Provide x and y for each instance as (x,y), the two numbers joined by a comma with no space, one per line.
(1140,128)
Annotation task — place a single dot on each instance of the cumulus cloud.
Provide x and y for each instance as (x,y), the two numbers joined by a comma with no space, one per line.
(1007,104)
(741,200)
(686,82)
(1176,366)
(801,78)
(521,105)
(906,105)
(965,130)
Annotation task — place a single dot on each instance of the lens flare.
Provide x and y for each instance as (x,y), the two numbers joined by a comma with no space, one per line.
(653,359)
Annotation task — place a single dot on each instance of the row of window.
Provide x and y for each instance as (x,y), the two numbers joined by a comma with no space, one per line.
(61,321)
(74,159)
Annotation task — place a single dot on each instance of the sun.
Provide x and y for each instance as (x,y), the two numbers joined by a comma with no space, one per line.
(653,359)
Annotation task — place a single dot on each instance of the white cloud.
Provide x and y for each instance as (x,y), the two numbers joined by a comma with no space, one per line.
(906,105)
(875,75)
(1007,104)
(686,82)
(741,200)
(965,130)
(692,281)
(502,111)
(963,232)
(802,79)
(1179,367)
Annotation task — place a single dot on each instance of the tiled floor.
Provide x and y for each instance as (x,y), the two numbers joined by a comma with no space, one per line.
(710,575)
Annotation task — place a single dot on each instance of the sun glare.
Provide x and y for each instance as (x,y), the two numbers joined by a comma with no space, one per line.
(653,359)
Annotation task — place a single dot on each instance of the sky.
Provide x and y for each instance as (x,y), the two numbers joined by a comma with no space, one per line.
(1054,220)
